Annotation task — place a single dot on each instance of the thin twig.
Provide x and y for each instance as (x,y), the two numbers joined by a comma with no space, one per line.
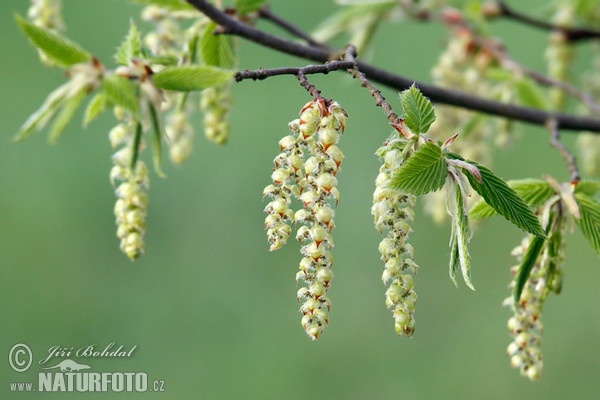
(380,101)
(261,73)
(397,82)
(571,34)
(562,149)
(511,64)
(265,12)
(315,93)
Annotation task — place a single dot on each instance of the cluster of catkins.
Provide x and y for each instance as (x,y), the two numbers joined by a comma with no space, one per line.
(525,326)
(132,200)
(306,170)
(393,212)
(169,38)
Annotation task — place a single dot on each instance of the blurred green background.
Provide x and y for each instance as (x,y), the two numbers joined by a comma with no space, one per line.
(211,311)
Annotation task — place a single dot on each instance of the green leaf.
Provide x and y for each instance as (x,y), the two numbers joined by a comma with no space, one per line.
(535,192)
(171,5)
(216,50)
(527,263)
(529,94)
(56,47)
(135,145)
(188,78)
(131,46)
(461,233)
(418,111)
(504,200)
(45,113)
(95,107)
(156,141)
(423,172)
(245,6)
(122,92)
(481,210)
(588,187)
(589,223)
(66,115)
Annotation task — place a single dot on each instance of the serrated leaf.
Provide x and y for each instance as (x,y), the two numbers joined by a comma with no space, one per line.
(188,78)
(535,192)
(95,107)
(56,47)
(171,5)
(418,111)
(131,47)
(504,200)
(589,223)
(424,171)
(122,92)
(527,263)
(246,6)
(66,115)
(216,50)
(156,141)
(529,94)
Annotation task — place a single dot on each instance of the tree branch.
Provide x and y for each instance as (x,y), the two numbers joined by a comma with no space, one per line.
(397,82)
(562,149)
(266,13)
(571,34)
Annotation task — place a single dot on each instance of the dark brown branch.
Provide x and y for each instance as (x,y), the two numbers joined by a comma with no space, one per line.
(310,88)
(562,149)
(380,101)
(266,13)
(571,34)
(261,73)
(397,82)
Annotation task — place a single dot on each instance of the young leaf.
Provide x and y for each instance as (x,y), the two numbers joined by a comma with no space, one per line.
(171,5)
(131,46)
(56,47)
(45,113)
(122,92)
(66,115)
(535,192)
(504,200)
(135,145)
(245,6)
(423,172)
(188,78)
(216,50)
(481,210)
(96,106)
(527,263)
(418,111)
(156,140)
(461,233)
(588,187)
(589,223)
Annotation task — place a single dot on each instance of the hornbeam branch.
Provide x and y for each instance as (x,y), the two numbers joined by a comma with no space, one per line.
(436,94)
(571,34)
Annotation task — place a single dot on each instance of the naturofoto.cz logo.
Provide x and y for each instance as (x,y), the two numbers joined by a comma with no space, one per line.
(69,375)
